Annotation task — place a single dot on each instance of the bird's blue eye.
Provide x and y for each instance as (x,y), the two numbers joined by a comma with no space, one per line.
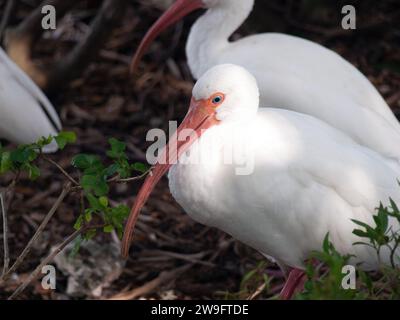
(217,100)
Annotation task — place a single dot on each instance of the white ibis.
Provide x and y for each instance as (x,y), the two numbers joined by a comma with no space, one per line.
(26,114)
(292,73)
(306,179)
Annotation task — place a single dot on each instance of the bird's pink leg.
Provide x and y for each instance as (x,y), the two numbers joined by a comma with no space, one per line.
(295,282)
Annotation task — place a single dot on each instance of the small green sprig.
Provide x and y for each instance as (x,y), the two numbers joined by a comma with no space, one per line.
(23,158)
(95,181)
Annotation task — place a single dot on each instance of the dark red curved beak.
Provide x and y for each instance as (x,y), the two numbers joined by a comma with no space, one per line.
(176,12)
(200,117)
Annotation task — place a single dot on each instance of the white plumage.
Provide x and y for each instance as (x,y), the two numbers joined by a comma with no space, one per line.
(292,73)
(26,114)
(308,179)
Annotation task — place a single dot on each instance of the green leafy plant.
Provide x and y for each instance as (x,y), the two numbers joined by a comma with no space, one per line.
(22,159)
(324,275)
(91,182)
(95,181)
(324,281)
(381,235)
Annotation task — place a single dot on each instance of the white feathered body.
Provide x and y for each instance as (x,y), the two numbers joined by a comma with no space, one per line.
(308,179)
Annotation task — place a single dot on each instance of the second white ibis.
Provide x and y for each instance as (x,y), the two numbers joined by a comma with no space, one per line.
(291,180)
(292,73)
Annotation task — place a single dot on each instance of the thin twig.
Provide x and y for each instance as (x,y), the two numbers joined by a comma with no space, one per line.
(152,285)
(193,258)
(50,257)
(65,173)
(5,235)
(65,191)
(257,292)
(10,191)
(125,180)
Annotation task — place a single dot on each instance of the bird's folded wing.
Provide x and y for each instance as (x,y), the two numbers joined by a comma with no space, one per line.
(31,87)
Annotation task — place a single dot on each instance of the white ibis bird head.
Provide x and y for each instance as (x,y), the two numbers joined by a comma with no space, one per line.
(178,11)
(230,90)
(224,93)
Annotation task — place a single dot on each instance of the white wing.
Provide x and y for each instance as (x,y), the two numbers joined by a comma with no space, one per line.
(303,76)
(25,112)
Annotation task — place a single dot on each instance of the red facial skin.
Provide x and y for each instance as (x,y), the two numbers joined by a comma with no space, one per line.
(200,117)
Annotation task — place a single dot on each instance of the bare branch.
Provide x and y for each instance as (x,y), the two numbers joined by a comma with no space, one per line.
(65,191)
(50,257)
(152,285)
(65,173)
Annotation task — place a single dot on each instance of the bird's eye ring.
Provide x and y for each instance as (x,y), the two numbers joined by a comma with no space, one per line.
(217,99)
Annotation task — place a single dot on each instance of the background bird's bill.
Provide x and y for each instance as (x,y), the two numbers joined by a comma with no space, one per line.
(200,117)
(176,12)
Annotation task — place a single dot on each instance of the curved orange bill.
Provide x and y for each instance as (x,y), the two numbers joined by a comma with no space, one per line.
(201,116)
(176,12)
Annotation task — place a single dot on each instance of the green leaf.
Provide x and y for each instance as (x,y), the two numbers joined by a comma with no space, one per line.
(111,170)
(65,137)
(362,224)
(44,141)
(120,213)
(108,228)
(372,234)
(88,215)
(33,171)
(326,244)
(93,202)
(360,233)
(103,201)
(5,162)
(96,184)
(124,170)
(86,161)
(23,154)
(90,234)
(393,205)
(117,149)
(78,223)
(141,167)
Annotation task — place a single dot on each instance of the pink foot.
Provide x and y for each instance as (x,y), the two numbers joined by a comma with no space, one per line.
(294,283)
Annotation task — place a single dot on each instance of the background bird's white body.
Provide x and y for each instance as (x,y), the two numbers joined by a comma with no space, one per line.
(296,74)
(308,179)
(26,114)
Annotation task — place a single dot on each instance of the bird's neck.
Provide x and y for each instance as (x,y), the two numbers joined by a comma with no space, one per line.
(210,33)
